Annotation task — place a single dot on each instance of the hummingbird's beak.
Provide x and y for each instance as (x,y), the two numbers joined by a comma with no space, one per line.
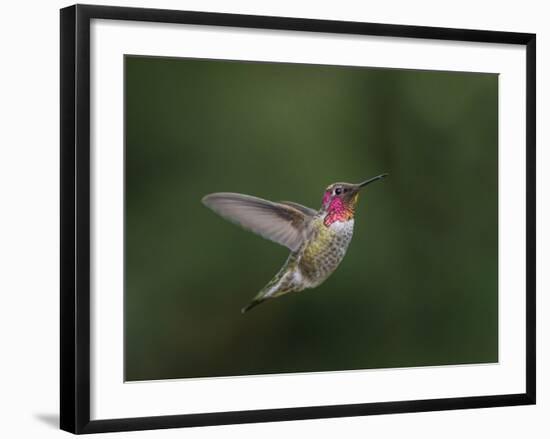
(371,180)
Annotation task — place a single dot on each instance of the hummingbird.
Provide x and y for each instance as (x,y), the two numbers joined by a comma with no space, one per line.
(317,239)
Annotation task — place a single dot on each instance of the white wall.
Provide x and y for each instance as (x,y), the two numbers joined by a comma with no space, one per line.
(29,200)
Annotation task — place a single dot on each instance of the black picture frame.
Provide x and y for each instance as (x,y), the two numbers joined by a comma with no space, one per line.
(75,217)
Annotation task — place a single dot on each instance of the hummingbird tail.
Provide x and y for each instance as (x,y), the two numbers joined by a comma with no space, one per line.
(251,305)
(280,284)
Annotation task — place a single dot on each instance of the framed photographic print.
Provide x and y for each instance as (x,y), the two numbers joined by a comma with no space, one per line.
(268,218)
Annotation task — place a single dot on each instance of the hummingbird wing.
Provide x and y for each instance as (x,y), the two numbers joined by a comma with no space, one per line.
(278,222)
(308,211)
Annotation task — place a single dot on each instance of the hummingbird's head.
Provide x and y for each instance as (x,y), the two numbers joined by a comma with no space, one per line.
(342,197)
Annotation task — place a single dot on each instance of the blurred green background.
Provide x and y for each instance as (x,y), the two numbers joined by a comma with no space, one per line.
(419,283)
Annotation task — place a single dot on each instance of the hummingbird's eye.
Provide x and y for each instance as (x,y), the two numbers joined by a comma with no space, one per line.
(338,191)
